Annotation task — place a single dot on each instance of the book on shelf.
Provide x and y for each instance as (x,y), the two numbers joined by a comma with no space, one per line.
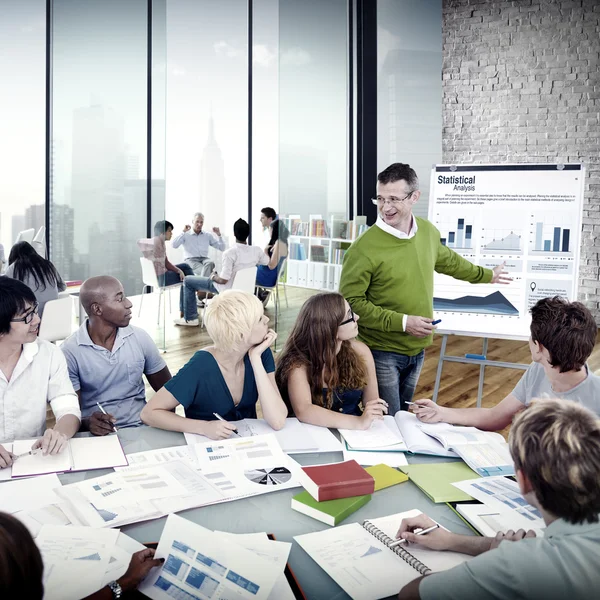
(352,554)
(317,253)
(298,227)
(319,228)
(330,512)
(337,480)
(297,251)
(339,230)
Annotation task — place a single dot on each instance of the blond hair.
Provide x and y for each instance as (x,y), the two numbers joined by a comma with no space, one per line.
(556,445)
(230,318)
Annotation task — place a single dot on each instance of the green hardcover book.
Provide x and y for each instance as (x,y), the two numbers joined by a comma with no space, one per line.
(330,512)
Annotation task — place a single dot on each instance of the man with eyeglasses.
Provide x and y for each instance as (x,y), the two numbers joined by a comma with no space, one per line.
(387,279)
(33,374)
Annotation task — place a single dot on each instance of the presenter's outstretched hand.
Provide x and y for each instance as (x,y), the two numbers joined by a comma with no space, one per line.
(217,231)
(419,326)
(374,410)
(500,274)
(187,228)
(427,411)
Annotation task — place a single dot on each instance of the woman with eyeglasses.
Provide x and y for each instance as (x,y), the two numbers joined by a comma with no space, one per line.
(324,374)
(33,374)
(37,273)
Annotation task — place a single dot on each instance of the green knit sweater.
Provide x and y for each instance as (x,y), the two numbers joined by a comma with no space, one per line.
(385,277)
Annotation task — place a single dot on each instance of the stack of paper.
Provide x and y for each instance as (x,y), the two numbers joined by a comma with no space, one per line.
(503,507)
(294,438)
(200,563)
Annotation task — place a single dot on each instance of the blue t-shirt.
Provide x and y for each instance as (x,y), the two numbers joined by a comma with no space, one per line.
(345,401)
(200,388)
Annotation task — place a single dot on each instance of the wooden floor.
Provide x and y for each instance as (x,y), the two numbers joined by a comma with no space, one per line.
(459,381)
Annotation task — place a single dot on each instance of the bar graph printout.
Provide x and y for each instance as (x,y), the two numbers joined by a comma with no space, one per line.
(527,216)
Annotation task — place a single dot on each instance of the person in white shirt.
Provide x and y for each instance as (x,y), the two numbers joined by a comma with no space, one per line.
(33,373)
(241,256)
(195,244)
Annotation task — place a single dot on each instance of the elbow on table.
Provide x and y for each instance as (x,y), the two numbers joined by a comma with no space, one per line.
(278,423)
(146,416)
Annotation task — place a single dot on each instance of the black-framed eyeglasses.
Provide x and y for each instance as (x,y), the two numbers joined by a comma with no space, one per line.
(394,201)
(352,319)
(28,317)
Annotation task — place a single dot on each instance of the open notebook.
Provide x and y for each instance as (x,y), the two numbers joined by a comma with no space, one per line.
(358,557)
(81,454)
(400,433)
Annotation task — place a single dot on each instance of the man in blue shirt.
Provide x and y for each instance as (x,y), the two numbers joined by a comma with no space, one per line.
(195,244)
(106,358)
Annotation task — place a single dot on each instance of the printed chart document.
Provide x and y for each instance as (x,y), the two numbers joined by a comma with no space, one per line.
(400,433)
(162,456)
(294,438)
(75,560)
(29,494)
(503,506)
(358,558)
(81,454)
(485,452)
(201,564)
(120,557)
(275,552)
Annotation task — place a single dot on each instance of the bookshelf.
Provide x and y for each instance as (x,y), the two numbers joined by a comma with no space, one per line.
(317,247)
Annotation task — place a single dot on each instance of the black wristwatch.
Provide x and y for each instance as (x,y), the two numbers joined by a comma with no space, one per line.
(116,589)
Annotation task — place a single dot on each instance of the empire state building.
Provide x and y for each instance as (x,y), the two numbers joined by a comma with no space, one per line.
(212,181)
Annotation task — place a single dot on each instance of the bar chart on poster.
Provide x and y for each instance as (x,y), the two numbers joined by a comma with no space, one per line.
(527,216)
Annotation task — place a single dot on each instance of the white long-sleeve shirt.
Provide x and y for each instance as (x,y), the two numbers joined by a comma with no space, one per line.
(40,378)
(195,245)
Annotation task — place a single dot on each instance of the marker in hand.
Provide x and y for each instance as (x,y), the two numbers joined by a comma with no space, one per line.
(105,413)
(218,416)
(436,321)
(421,532)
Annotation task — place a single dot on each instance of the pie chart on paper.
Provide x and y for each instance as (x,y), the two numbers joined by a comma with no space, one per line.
(273,476)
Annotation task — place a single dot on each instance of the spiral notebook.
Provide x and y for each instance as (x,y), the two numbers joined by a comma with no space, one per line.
(358,557)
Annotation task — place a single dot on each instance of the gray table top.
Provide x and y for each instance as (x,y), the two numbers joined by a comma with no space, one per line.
(272,512)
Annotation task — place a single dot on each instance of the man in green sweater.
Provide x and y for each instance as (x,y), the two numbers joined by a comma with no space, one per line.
(387,279)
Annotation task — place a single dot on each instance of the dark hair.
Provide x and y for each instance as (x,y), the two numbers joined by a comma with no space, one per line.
(269,212)
(278,232)
(28,262)
(556,445)
(162,227)
(398,171)
(21,566)
(312,344)
(14,297)
(566,329)
(241,230)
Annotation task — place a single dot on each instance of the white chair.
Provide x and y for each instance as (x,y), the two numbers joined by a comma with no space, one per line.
(57,320)
(149,278)
(25,236)
(39,241)
(244,281)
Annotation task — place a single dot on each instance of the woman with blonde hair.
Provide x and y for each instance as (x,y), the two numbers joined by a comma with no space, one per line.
(227,378)
(324,373)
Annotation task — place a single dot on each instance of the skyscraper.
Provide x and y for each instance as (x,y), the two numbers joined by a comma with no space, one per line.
(212,181)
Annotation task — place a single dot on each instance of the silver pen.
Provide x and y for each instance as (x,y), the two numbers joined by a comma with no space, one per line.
(420,532)
(225,421)
(30,453)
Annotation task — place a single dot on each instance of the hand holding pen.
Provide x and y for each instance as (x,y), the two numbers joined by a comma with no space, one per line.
(220,430)
(423,531)
(101,423)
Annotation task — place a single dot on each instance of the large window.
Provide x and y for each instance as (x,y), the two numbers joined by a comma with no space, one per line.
(207,112)
(22,117)
(99,138)
(409,87)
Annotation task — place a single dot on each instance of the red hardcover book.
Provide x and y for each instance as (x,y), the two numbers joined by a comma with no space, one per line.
(338,480)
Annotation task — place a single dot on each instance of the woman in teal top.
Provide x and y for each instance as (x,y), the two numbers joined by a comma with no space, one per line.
(227,378)
(325,375)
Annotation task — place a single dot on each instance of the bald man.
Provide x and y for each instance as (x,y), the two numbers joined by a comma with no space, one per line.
(106,358)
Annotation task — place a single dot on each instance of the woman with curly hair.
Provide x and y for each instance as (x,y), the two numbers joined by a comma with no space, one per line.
(323,373)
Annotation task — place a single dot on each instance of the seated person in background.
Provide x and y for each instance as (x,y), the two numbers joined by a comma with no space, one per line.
(22,568)
(324,373)
(277,250)
(37,273)
(106,358)
(195,244)
(33,373)
(267,216)
(555,446)
(563,335)
(2,258)
(241,256)
(227,378)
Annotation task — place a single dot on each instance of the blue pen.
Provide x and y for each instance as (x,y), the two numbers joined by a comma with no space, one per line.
(436,321)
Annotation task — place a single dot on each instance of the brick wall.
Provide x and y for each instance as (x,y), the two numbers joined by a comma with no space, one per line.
(521,83)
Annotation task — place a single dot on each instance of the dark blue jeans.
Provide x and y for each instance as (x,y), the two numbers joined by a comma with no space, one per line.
(397,376)
(171,278)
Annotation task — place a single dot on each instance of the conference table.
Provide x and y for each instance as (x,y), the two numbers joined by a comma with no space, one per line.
(272,512)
